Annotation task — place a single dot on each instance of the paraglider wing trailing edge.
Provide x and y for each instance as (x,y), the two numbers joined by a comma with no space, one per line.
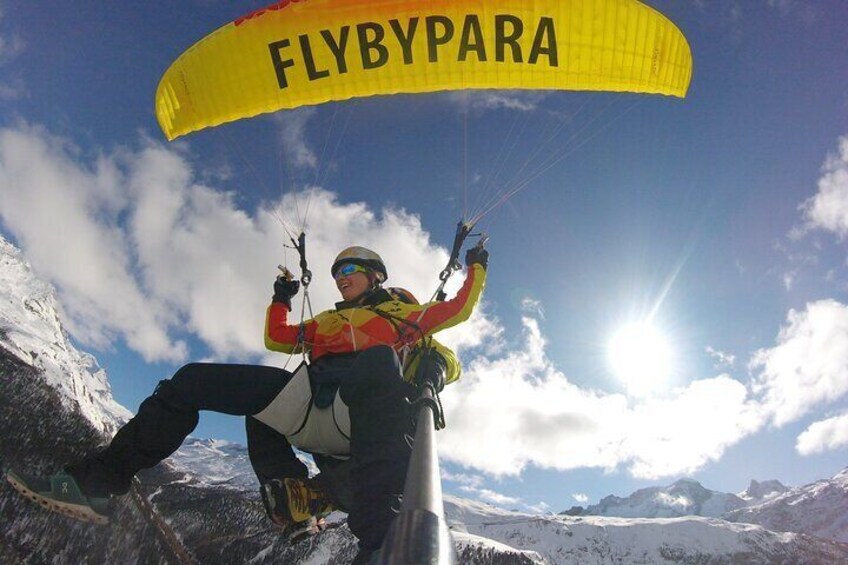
(304,52)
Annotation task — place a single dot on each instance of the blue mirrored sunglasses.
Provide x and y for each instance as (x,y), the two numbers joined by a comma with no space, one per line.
(348,269)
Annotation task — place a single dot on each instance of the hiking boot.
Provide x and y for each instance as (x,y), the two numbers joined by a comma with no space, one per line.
(299,506)
(60,493)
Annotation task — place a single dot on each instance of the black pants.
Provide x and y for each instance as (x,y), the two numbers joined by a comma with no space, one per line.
(380,431)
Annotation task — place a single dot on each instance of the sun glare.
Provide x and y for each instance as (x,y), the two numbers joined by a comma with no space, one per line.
(640,358)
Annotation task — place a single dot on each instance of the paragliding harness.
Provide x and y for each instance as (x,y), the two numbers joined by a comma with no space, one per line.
(309,410)
(324,386)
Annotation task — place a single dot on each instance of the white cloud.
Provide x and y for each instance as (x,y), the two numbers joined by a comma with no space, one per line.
(580,497)
(517,409)
(486,100)
(475,485)
(140,250)
(788,280)
(464,479)
(828,209)
(822,436)
(292,131)
(493,497)
(11,44)
(480,331)
(11,47)
(807,12)
(532,306)
(67,218)
(680,434)
(809,364)
(12,89)
(721,359)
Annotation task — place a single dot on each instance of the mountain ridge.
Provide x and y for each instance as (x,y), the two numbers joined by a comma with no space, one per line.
(684,497)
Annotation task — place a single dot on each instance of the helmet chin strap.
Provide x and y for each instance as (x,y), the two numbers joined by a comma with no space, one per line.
(375,286)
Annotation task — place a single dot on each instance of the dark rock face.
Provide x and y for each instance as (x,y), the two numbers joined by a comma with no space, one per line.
(759,490)
(37,434)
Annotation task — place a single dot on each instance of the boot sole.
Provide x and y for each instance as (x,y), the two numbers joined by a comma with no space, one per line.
(76,511)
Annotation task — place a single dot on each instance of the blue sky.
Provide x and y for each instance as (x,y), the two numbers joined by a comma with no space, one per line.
(721,218)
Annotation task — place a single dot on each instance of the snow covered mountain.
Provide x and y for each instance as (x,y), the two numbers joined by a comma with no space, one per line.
(685,497)
(31,331)
(759,492)
(201,506)
(819,509)
(601,540)
(217,462)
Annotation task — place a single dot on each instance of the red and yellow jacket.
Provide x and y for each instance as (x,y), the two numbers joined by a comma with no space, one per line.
(353,328)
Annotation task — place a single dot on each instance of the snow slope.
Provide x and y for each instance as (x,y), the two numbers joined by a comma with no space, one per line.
(31,331)
(216,463)
(600,540)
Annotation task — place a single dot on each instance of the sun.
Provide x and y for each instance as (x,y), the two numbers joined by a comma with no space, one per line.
(640,357)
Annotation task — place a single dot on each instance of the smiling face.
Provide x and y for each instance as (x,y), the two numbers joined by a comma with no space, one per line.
(353,285)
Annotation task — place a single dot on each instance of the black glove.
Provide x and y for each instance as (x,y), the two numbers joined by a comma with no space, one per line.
(284,290)
(432,370)
(477,254)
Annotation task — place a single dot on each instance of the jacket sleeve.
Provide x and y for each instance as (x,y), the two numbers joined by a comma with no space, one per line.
(282,336)
(438,316)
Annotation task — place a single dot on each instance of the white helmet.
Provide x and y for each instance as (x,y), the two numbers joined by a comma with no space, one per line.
(364,257)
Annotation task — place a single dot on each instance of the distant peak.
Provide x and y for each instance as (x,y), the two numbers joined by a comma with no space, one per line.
(759,490)
(686,481)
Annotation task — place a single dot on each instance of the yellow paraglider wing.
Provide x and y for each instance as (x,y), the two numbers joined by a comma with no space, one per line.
(304,52)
